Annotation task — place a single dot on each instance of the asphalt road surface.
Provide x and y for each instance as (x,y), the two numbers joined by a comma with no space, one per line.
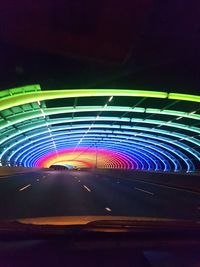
(54,193)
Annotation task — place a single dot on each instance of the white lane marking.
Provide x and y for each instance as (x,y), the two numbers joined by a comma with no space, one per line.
(88,189)
(79,181)
(164,186)
(145,191)
(75,177)
(108,209)
(118,182)
(23,188)
(38,180)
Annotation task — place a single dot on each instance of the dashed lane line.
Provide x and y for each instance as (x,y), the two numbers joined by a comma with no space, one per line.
(25,187)
(145,191)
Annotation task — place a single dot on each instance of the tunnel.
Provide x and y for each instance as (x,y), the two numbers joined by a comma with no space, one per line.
(100,128)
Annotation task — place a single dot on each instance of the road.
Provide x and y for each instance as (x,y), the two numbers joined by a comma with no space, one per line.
(54,193)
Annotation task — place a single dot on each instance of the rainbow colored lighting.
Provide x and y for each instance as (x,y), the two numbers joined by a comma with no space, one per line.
(133,134)
(84,157)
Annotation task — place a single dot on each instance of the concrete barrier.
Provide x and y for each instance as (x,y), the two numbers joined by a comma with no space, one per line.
(8,171)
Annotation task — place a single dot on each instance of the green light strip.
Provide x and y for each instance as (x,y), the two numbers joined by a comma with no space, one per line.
(145,129)
(20,90)
(20,99)
(185,97)
(32,126)
(32,93)
(173,113)
(18,118)
(61,110)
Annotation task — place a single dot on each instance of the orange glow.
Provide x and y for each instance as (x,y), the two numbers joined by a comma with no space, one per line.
(83,158)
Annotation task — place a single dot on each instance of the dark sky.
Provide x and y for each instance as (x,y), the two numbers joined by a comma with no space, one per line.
(146,44)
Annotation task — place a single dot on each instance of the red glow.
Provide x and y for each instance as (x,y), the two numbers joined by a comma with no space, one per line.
(87,158)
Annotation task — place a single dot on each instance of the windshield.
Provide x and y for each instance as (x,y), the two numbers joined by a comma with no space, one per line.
(99,109)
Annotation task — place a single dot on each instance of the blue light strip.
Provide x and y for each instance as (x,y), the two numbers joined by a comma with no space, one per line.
(136,138)
(63,146)
(169,148)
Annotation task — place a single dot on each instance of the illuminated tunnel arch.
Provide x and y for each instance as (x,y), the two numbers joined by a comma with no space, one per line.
(46,137)
(93,136)
(140,128)
(105,128)
(157,137)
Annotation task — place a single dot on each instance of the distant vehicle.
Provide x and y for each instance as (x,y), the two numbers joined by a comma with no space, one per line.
(62,167)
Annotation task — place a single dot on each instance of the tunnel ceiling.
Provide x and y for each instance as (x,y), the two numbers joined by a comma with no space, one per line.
(107,128)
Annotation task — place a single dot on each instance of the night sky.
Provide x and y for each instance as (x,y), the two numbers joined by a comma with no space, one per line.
(144,44)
